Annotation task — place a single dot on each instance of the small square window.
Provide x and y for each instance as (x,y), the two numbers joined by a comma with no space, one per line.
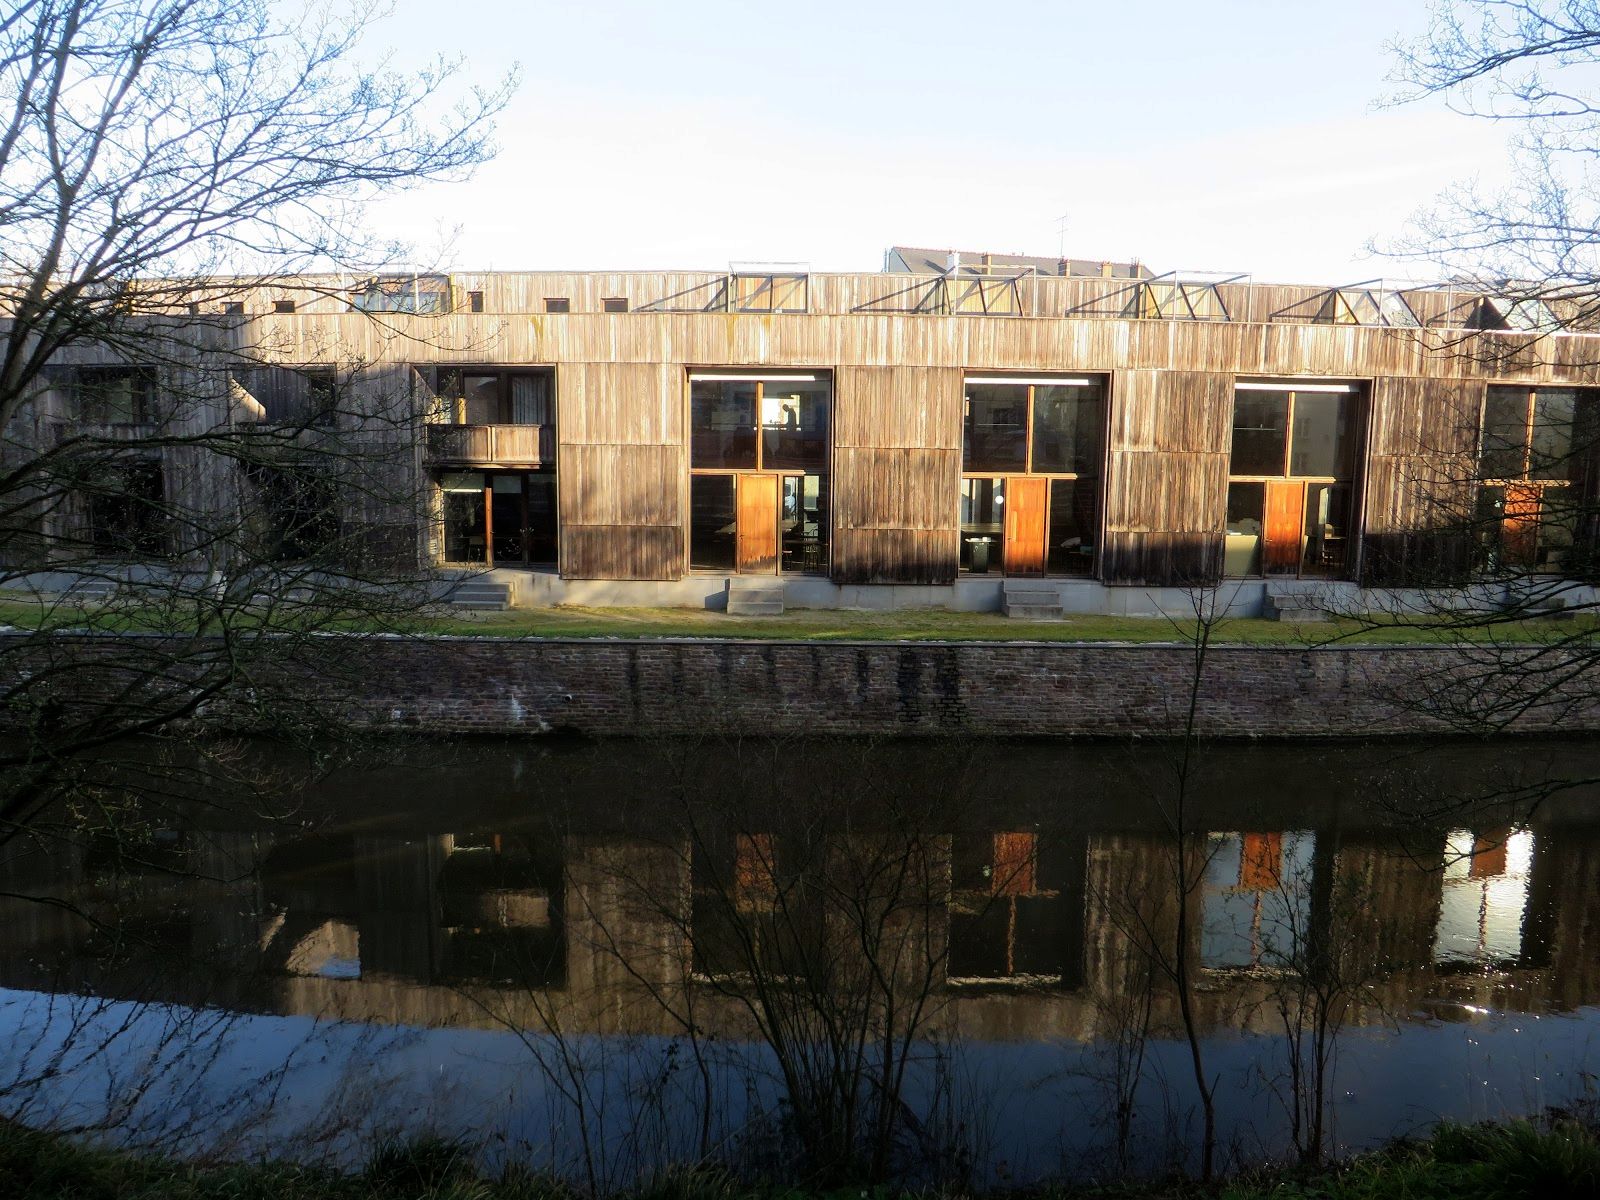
(283,306)
(614,304)
(474,301)
(557,304)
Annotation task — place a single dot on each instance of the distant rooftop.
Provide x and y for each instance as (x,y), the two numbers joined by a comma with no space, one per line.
(911,260)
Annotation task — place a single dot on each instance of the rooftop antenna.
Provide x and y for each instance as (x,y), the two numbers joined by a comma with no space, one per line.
(1061,236)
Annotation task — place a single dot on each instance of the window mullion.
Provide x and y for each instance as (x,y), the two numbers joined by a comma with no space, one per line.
(1027,433)
(1288,437)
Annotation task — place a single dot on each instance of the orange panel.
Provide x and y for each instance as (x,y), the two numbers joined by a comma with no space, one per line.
(1027,503)
(1261,862)
(758,524)
(755,885)
(1489,854)
(1285,528)
(1519,532)
(1015,864)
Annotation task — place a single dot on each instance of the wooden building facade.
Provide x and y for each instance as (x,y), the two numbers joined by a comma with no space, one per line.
(916,430)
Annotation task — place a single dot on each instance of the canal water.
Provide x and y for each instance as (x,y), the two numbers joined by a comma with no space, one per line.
(983,964)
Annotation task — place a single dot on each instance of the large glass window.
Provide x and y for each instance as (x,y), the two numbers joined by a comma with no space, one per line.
(1292,466)
(713,523)
(1015,428)
(983,525)
(488,396)
(722,421)
(1260,433)
(758,456)
(506,518)
(1532,441)
(996,433)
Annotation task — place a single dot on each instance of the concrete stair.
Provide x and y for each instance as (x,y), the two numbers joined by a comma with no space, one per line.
(1298,602)
(483,595)
(1030,600)
(758,596)
(92,591)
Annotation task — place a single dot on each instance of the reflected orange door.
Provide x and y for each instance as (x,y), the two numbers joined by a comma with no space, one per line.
(758,524)
(1519,532)
(1026,501)
(1285,528)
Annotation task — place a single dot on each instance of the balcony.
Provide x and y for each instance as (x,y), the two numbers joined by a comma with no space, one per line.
(492,445)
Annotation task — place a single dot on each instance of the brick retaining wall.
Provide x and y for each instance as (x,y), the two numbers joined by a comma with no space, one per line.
(441,685)
(807,688)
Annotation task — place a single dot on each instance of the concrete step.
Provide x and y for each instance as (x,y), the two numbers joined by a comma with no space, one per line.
(92,591)
(1290,600)
(480,595)
(761,596)
(1028,600)
(754,608)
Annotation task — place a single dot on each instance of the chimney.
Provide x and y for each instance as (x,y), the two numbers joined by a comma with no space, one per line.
(952,262)
(1106,271)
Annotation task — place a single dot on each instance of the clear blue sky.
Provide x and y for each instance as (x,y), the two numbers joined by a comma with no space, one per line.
(1232,134)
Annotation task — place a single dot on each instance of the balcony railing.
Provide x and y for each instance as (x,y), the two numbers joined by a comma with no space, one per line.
(499,445)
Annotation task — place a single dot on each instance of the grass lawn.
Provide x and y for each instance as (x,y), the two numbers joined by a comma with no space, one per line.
(912,625)
(836,625)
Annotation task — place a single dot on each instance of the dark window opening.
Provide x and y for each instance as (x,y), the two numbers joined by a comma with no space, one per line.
(233,308)
(713,523)
(283,306)
(475,302)
(1535,458)
(557,304)
(128,515)
(1016,907)
(614,304)
(295,514)
(115,395)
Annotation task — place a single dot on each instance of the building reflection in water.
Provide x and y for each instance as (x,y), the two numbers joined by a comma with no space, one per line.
(1032,921)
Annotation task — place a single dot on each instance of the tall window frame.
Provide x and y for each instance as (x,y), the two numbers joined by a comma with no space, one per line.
(761,432)
(1073,481)
(1323,506)
(1529,465)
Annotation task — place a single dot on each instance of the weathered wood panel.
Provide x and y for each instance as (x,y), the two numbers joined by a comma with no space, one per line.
(620,485)
(1167,477)
(895,556)
(917,407)
(621,552)
(895,489)
(620,403)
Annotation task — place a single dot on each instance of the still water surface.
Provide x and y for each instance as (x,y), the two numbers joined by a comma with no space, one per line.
(600,959)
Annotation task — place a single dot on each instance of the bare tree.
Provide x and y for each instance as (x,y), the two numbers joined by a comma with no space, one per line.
(180,514)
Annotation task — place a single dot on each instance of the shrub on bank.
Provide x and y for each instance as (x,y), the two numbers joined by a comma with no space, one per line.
(1560,1161)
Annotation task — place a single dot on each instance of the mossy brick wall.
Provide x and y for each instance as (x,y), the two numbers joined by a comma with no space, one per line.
(806,688)
(445,685)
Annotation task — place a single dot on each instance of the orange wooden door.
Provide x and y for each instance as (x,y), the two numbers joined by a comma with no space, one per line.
(1027,501)
(758,524)
(1519,531)
(1282,539)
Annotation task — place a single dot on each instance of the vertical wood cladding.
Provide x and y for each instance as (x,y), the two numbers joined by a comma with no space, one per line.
(1420,466)
(896,474)
(1167,476)
(620,470)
